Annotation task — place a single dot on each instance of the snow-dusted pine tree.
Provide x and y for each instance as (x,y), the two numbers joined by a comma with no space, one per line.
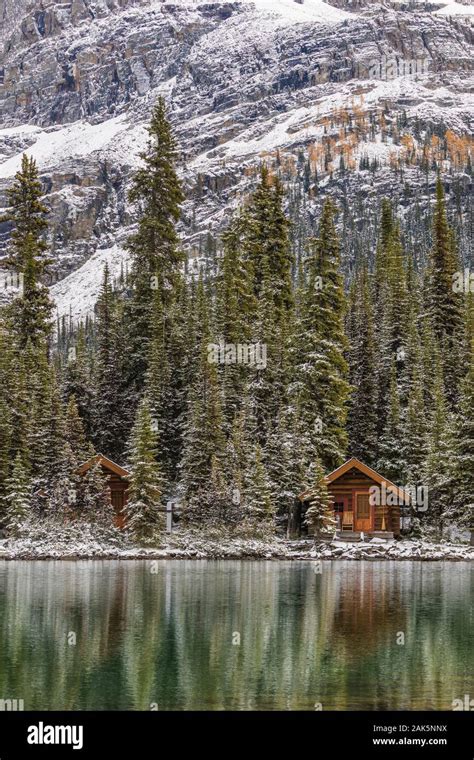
(144,521)
(17,498)
(258,496)
(439,473)
(362,420)
(320,513)
(461,510)
(322,371)
(28,253)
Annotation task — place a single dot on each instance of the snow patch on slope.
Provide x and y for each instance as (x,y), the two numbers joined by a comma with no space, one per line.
(50,147)
(76,294)
(455,9)
(309,10)
(291,11)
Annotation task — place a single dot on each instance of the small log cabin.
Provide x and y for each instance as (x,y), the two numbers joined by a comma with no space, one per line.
(118,479)
(363,500)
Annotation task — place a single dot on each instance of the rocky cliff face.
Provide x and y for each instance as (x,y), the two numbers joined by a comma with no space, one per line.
(245,82)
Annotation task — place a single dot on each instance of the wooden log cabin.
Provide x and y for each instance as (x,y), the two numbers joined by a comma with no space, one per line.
(118,480)
(363,501)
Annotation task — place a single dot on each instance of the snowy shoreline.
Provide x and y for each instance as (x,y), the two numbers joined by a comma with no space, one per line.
(197,546)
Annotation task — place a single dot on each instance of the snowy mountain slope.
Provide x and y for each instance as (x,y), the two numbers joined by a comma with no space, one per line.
(293,12)
(245,82)
(455,9)
(77,293)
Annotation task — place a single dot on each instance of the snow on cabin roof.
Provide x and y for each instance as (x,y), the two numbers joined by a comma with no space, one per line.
(364,468)
(105,462)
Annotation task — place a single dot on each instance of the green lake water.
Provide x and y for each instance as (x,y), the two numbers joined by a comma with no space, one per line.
(236,635)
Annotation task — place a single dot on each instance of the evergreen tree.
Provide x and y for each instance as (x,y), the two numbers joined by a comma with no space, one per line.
(415,437)
(322,369)
(438,471)
(284,457)
(392,312)
(445,304)
(144,494)
(258,497)
(203,434)
(236,310)
(320,513)
(6,415)
(17,497)
(108,409)
(74,433)
(362,421)
(154,248)
(42,433)
(462,508)
(181,341)
(157,388)
(391,461)
(27,253)
(77,380)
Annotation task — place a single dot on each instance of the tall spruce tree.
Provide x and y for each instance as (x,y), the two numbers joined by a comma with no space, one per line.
(77,380)
(362,420)
(158,388)
(236,308)
(445,306)
(108,410)
(391,460)
(438,471)
(258,497)
(27,251)
(154,247)
(144,495)
(203,433)
(461,510)
(322,371)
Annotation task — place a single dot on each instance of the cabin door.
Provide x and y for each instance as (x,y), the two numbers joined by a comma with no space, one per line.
(363,512)
(118,502)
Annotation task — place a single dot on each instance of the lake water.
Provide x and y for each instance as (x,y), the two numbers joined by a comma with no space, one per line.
(236,635)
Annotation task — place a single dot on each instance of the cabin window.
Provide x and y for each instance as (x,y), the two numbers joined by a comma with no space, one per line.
(339,507)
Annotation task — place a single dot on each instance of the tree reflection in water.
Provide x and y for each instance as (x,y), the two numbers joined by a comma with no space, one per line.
(171,638)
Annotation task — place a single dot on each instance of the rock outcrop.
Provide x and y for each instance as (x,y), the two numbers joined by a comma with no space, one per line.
(244,81)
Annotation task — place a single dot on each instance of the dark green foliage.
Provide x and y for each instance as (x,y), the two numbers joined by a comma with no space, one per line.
(144,495)
(445,305)
(154,248)
(28,253)
(158,382)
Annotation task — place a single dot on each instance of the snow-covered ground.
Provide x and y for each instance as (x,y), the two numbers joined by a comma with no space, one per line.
(74,541)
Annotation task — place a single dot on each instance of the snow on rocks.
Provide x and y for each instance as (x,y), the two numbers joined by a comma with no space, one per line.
(395,550)
(48,540)
(77,293)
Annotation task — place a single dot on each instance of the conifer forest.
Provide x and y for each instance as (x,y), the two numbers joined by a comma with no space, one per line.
(236,376)
(232,379)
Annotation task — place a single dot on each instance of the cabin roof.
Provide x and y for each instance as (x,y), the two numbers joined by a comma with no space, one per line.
(106,463)
(366,470)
